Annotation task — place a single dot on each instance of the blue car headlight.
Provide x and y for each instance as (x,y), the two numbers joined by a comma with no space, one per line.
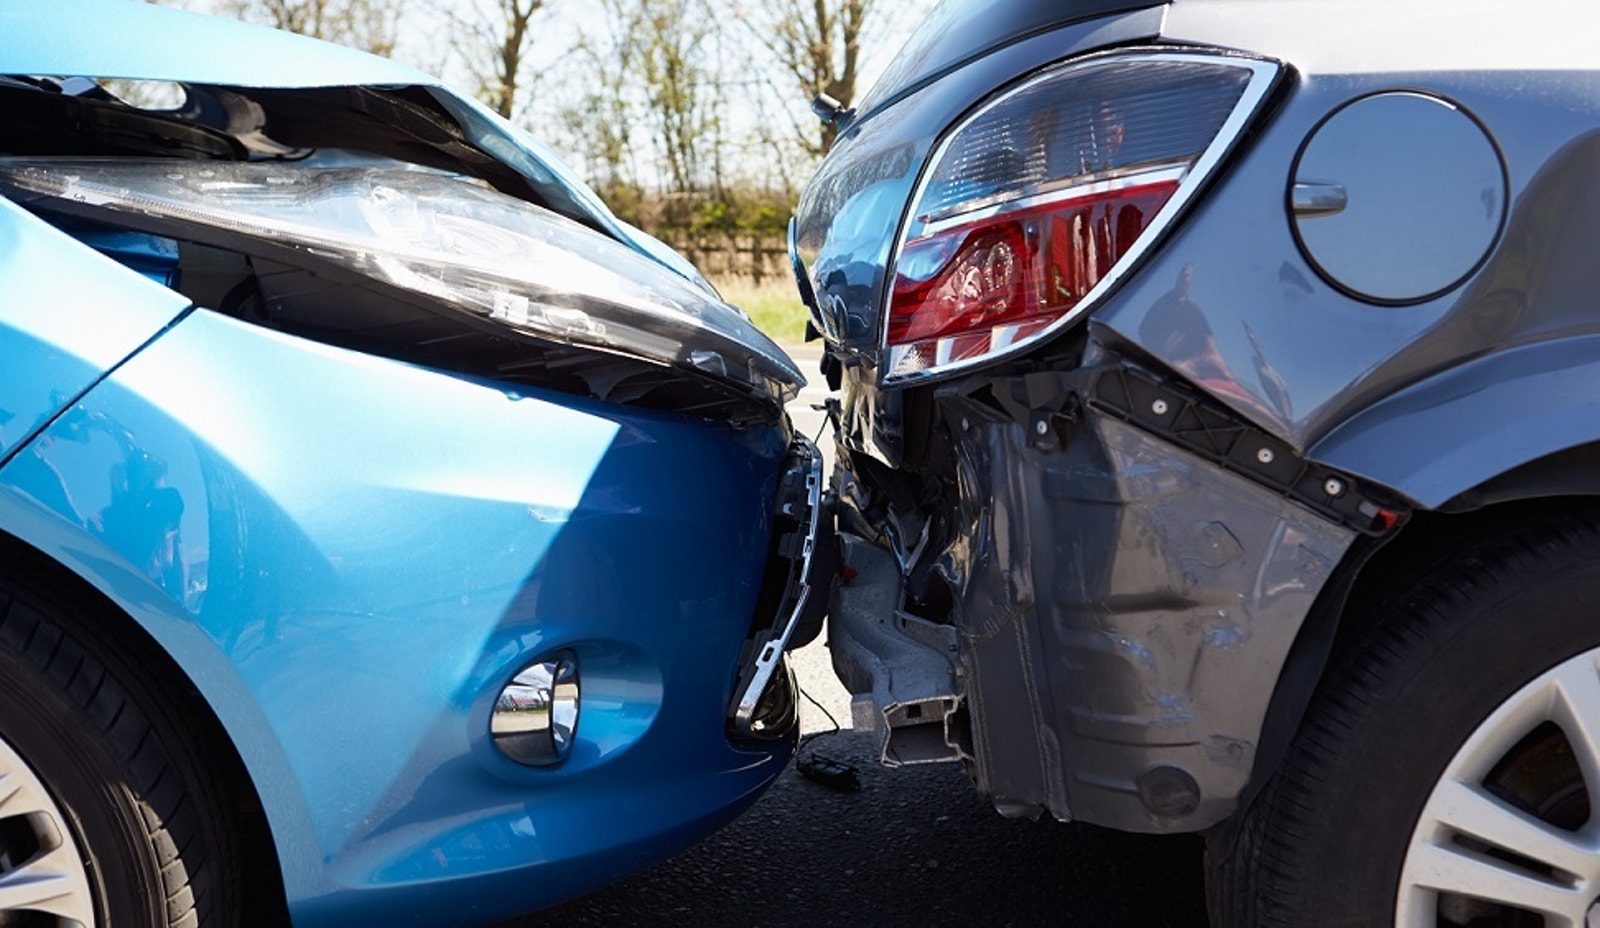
(454,241)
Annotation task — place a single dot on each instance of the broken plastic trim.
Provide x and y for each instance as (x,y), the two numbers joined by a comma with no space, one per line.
(1210,430)
(466,248)
(901,670)
(803,507)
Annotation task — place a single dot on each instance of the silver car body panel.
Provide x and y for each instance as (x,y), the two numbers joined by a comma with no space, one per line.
(1126,606)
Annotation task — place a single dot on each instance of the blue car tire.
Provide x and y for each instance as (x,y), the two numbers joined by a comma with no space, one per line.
(107,816)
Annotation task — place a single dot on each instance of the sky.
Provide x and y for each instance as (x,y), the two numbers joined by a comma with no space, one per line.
(749,96)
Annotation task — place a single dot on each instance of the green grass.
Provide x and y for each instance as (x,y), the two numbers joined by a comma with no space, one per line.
(773,305)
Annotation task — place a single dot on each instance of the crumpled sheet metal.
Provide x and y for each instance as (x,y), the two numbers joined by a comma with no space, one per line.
(1123,607)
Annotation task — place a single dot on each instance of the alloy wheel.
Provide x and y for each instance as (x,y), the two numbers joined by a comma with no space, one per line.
(42,875)
(1507,837)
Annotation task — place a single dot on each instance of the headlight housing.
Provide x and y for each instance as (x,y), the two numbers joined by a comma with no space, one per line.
(495,260)
(1034,206)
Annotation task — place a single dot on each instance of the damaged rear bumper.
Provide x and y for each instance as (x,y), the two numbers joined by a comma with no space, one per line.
(1096,621)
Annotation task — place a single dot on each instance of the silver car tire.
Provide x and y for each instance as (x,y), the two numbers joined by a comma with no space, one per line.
(1441,774)
(1478,849)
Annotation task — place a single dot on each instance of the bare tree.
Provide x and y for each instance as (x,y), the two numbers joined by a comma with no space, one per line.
(678,85)
(370,25)
(818,43)
(495,40)
(602,111)
(667,51)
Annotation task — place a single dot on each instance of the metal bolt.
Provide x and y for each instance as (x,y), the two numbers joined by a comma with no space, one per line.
(1265,456)
(1159,407)
(1334,487)
(1041,427)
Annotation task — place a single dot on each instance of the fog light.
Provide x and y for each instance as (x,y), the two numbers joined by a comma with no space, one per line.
(536,715)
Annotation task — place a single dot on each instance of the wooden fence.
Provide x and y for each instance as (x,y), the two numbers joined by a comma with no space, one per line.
(757,257)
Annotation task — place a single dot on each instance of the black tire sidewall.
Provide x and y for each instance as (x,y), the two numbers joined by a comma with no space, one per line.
(52,737)
(1396,710)
(79,704)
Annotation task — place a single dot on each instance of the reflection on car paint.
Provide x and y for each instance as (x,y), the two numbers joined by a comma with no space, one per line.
(348,520)
(1113,517)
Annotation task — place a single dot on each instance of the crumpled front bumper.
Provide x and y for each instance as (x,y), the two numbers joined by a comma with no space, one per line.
(793,599)
(350,582)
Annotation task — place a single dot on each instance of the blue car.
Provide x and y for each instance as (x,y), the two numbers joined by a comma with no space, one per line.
(387,532)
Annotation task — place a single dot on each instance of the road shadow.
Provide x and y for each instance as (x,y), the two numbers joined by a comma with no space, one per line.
(913,846)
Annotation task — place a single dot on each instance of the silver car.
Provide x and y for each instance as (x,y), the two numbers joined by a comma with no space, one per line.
(1219,436)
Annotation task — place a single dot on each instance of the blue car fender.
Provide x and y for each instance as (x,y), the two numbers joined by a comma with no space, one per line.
(69,316)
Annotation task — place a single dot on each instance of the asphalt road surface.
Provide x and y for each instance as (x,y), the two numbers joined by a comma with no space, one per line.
(913,846)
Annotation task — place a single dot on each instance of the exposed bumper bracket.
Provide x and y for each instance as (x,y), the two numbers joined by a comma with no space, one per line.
(1205,427)
(804,550)
(901,670)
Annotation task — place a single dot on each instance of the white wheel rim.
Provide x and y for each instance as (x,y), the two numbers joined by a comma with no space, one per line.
(50,877)
(1438,863)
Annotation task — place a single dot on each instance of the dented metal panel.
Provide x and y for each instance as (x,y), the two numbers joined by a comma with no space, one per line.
(68,318)
(1125,588)
(1122,609)
(280,123)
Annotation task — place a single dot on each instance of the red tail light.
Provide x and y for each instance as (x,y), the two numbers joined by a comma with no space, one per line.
(1013,275)
(1038,202)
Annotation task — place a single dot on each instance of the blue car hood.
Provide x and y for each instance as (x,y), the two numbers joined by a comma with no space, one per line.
(140,41)
(254,93)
